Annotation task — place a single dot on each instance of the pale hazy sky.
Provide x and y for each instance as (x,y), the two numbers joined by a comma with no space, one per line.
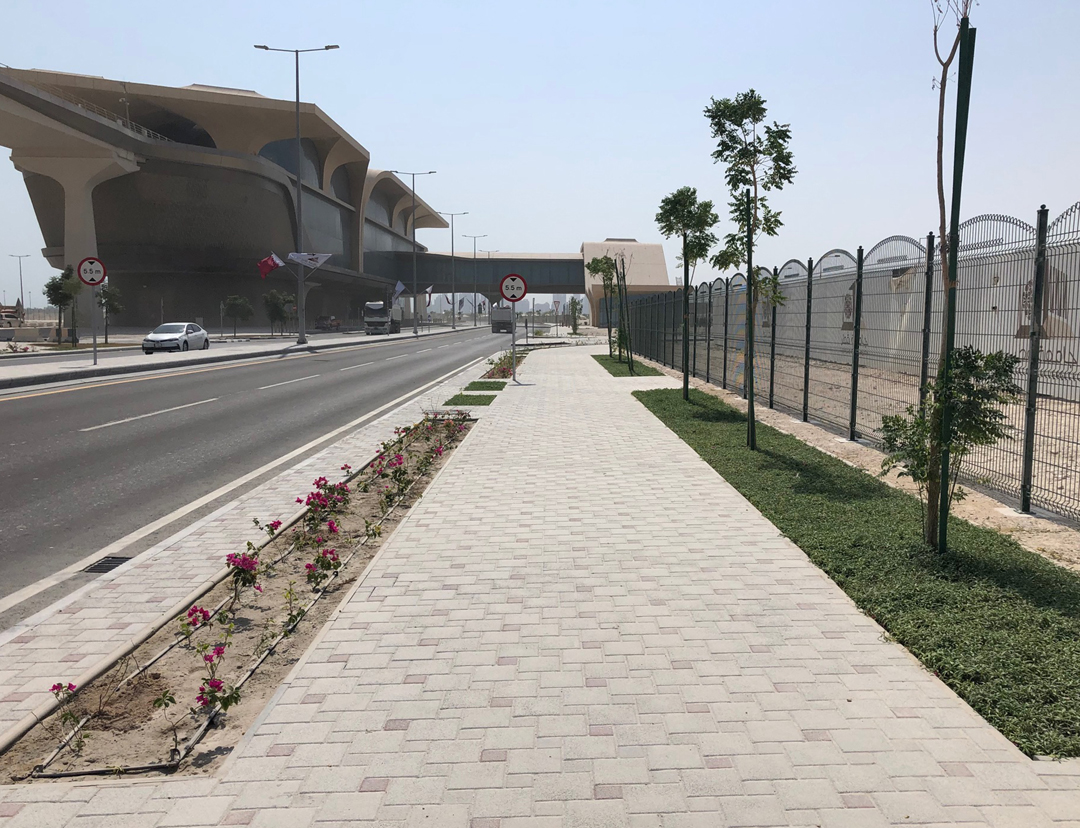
(558,122)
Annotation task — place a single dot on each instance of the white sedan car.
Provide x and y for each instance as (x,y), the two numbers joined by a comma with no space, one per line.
(176,336)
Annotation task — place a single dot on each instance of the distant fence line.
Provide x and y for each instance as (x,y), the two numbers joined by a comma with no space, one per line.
(888,302)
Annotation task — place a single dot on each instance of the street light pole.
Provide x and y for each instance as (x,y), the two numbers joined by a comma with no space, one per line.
(416,295)
(301,299)
(453,270)
(474,238)
(20,257)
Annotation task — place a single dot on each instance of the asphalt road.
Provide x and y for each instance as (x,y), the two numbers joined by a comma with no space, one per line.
(85,465)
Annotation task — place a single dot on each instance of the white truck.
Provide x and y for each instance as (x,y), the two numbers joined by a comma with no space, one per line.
(381,318)
(502,320)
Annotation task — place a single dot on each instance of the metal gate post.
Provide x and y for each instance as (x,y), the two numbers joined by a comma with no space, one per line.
(1034,337)
(852,434)
(806,348)
(772,347)
(727,297)
(928,304)
(708,336)
(693,369)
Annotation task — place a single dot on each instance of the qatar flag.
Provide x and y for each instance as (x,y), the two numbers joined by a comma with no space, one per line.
(270,263)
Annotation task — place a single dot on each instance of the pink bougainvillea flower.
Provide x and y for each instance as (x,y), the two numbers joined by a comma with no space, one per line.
(56,688)
(274,525)
(215,684)
(209,659)
(258,587)
(346,467)
(219,650)
(299,500)
(71,687)
(333,527)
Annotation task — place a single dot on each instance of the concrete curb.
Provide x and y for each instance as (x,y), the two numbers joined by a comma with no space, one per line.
(67,376)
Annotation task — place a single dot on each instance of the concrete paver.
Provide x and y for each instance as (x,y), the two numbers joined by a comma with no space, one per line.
(623,642)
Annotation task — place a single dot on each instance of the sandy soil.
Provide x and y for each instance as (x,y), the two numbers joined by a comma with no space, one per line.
(1055,540)
(127,730)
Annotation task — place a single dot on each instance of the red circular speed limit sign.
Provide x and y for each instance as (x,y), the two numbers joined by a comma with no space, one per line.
(91,271)
(513,288)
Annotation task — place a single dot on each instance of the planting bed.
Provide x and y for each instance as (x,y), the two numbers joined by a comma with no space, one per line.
(201,662)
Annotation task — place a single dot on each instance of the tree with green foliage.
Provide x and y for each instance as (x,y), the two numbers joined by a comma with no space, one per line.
(604,268)
(575,312)
(758,160)
(108,300)
(276,304)
(60,290)
(978,386)
(238,308)
(681,214)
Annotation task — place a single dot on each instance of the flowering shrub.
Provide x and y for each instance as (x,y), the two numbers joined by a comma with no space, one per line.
(69,719)
(216,692)
(319,570)
(325,501)
(196,617)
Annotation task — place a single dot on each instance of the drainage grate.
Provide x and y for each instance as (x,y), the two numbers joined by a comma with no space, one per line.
(106,564)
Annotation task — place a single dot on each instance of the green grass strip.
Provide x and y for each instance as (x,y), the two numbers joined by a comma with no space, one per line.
(998,624)
(486,385)
(470,399)
(622,369)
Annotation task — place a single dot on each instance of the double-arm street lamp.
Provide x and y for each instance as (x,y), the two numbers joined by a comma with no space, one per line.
(453,269)
(20,257)
(416,296)
(301,335)
(474,238)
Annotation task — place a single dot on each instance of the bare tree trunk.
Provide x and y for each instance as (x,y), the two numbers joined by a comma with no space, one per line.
(933,476)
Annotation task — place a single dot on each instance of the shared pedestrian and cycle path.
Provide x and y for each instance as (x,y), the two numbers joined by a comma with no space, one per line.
(582,625)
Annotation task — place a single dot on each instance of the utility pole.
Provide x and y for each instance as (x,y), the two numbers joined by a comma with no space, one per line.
(474,238)
(415,289)
(20,257)
(453,270)
(301,333)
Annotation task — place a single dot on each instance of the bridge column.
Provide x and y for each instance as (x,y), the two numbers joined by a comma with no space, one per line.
(78,177)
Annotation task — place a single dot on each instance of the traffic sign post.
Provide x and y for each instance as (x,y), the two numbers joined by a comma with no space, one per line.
(513,290)
(92,272)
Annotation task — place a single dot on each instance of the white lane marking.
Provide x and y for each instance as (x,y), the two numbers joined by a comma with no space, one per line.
(16,598)
(399,356)
(289,382)
(151,414)
(422,350)
(361,365)
(444,346)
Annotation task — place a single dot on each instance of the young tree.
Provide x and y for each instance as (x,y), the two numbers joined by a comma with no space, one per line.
(943,10)
(681,214)
(238,308)
(60,290)
(604,267)
(575,311)
(759,160)
(276,305)
(108,300)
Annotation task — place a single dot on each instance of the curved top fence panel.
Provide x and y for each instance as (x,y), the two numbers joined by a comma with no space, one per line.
(994,233)
(1066,227)
(835,261)
(793,269)
(896,253)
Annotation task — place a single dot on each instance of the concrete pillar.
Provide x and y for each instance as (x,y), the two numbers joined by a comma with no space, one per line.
(79,177)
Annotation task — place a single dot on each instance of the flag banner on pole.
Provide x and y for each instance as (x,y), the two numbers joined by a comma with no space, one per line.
(428,292)
(312,260)
(461,303)
(398,290)
(269,264)
(446,299)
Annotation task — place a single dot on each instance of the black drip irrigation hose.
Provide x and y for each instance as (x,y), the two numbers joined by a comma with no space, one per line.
(41,772)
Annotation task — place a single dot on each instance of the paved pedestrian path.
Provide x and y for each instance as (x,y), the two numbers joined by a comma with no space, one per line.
(581,625)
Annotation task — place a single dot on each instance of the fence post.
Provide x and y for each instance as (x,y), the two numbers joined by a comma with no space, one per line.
(708,336)
(674,325)
(693,369)
(928,304)
(772,346)
(1034,338)
(852,433)
(727,298)
(806,349)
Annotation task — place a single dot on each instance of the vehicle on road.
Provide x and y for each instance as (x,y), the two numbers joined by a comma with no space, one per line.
(502,320)
(10,320)
(379,318)
(328,323)
(176,336)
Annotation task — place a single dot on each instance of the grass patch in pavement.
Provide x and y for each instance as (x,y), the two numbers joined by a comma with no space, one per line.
(621,369)
(470,399)
(998,624)
(486,385)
